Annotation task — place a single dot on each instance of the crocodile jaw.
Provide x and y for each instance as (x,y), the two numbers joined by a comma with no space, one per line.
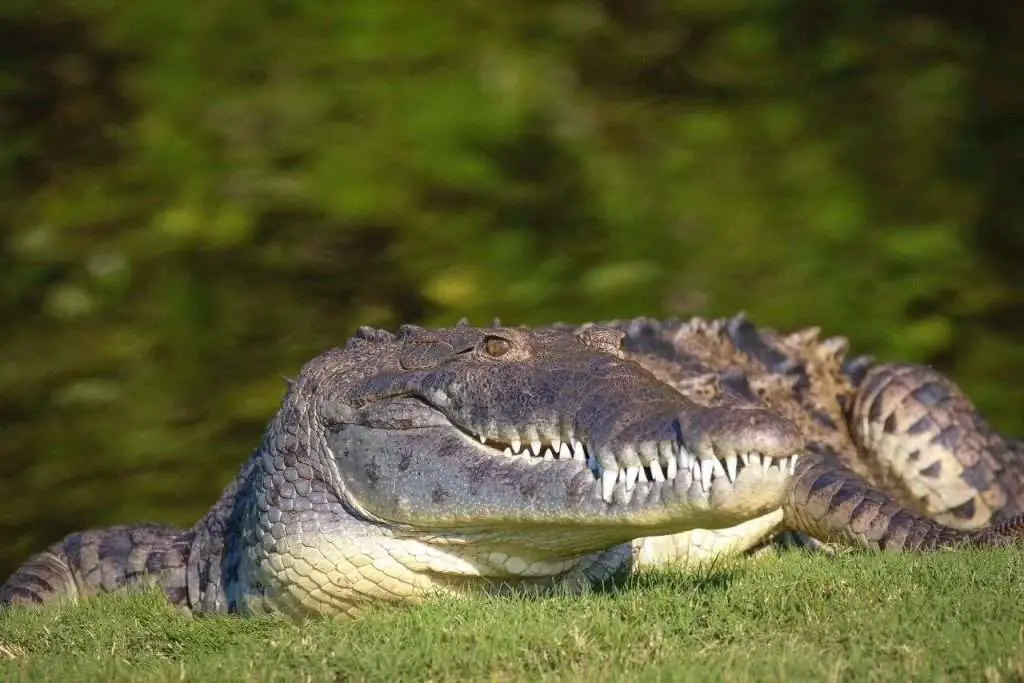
(438,484)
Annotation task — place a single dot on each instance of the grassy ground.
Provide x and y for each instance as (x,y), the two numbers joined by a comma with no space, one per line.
(855,617)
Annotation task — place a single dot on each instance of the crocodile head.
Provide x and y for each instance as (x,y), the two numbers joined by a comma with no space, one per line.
(518,450)
(527,433)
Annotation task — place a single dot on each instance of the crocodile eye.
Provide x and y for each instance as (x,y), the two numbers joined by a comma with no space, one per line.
(495,347)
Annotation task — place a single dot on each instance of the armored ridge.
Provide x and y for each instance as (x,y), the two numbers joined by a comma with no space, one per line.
(450,460)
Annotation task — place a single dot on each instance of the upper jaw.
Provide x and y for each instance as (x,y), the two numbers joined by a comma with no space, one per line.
(702,457)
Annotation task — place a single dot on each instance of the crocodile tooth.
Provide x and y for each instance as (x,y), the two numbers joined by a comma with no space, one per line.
(529,435)
(535,446)
(719,468)
(668,453)
(556,445)
(483,439)
(608,479)
(516,445)
(508,450)
(656,473)
(671,469)
(706,472)
(669,450)
(684,459)
(648,451)
(628,456)
(630,476)
(565,452)
(766,463)
(730,467)
(792,464)
(695,470)
(548,454)
(754,459)
(627,495)
(745,458)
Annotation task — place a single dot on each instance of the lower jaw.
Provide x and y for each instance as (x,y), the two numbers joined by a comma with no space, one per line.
(559,538)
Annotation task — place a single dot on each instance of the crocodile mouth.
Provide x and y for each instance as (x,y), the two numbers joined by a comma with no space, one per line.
(645,463)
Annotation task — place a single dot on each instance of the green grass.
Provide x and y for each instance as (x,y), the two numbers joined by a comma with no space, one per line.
(795,617)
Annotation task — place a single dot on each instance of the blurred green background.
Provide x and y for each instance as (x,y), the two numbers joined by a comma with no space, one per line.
(198,197)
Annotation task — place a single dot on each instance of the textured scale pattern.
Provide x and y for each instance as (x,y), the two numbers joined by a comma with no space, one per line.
(105,560)
(920,436)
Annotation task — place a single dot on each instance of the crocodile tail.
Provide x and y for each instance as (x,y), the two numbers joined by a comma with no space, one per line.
(919,435)
(1003,533)
(100,561)
(43,578)
(832,504)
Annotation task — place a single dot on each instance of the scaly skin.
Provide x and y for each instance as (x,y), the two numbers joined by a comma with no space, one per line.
(104,560)
(370,484)
(924,440)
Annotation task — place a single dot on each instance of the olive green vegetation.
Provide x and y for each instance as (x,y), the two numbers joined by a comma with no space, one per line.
(794,618)
(198,197)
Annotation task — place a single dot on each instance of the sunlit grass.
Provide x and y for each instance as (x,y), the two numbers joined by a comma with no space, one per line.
(796,617)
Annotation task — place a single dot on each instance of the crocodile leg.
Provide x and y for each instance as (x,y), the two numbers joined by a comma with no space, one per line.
(93,562)
(921,438)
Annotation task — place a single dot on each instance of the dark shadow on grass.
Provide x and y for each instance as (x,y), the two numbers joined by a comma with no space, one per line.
(704,580)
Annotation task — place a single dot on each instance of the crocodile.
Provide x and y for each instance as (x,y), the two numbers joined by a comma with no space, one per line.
(444,461)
